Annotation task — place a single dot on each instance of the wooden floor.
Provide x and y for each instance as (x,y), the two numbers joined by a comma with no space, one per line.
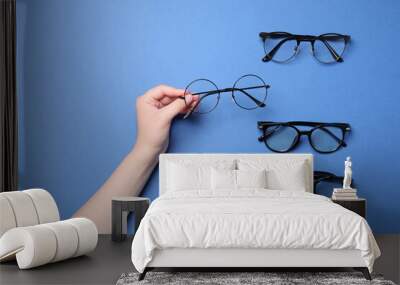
(110,260)
(102,266)
(389,262)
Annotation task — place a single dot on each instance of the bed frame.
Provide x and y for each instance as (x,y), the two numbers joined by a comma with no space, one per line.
(245,259)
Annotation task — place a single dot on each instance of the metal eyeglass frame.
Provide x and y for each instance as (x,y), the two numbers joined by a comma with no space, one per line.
(324,38)
(344,127)
(217,91)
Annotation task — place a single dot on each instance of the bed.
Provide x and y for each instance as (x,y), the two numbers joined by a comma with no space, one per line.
(247,211)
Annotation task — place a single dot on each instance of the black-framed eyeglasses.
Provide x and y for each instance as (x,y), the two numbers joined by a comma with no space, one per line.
(284,137)
(248,92)
(282,46)
(325,176)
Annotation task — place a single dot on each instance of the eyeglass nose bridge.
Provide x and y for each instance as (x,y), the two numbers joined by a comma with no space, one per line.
(307,38)
(305,133)
(225,90)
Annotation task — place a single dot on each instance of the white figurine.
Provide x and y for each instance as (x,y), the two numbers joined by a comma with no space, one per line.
(347,173)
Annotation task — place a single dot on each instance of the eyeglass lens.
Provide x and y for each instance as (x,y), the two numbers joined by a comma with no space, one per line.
(246,86)
(326,139)
(281,138)
(207,101)
(286,51)
(321,48)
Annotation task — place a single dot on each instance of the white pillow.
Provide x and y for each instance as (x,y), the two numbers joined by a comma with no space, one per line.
(185,175)
(251,178)
(285,174)
(237,179)
(223,179)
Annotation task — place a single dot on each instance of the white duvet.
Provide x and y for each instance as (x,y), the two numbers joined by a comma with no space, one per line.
(250,219)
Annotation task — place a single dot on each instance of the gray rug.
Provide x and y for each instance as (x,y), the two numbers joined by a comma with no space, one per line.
(269,278)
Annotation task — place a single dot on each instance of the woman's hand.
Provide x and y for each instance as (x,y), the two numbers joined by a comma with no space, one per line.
(155,111)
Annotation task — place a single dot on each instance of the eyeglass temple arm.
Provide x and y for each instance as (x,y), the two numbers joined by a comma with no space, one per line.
(331,50)
(320,176)
(344,126)
(271,54)
(274,35)
(265,134)
(261,125)
(255,100)
(335,37)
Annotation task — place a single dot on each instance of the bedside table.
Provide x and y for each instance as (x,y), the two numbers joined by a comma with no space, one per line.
(121,207)
(358,206)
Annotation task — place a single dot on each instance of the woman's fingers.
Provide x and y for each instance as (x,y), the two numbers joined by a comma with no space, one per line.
(161,91)
(193,103)
(171,101)
(173,109)
(165,101)
(179,105)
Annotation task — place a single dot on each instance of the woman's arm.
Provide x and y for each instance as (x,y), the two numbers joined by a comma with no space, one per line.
(155,111)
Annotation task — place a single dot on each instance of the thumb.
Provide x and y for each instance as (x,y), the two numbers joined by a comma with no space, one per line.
(175,107)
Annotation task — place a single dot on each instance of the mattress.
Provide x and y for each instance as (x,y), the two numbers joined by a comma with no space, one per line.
(250,219)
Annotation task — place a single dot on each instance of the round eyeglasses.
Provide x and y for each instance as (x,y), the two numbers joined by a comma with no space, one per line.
(248,92)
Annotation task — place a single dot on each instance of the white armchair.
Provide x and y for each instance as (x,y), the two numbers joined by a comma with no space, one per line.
(31,233)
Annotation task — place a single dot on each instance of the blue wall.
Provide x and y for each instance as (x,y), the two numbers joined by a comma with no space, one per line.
(82,63)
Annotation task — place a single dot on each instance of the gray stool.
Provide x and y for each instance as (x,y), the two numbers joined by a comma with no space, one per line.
(121,207)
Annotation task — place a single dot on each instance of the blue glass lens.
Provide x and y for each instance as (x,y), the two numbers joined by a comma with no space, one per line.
(281,138)
(326,139)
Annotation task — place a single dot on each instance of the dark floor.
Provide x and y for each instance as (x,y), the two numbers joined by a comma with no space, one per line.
(389,262)
(110,260)
(103,266)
